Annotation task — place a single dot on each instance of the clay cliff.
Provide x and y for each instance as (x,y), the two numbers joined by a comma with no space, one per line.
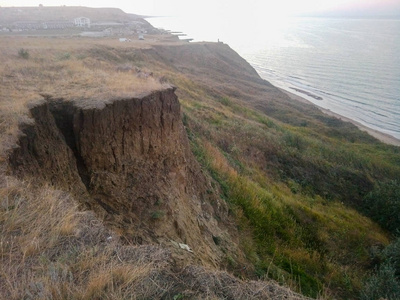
(128,160)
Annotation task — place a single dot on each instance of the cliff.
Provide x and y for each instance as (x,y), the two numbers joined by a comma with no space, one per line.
(252,181)
(130,161)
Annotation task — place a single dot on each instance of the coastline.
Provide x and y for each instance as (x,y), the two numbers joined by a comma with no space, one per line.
(381,136)
(295,92)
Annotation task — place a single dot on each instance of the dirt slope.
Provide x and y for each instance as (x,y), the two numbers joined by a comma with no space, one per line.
(130,161)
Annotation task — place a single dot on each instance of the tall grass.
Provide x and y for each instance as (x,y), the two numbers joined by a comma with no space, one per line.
(297,182)
(49,249)
(297,237)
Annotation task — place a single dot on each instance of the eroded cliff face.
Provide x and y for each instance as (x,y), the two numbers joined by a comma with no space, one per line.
(130,161)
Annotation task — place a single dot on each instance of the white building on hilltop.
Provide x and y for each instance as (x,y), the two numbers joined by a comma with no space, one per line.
(82,22)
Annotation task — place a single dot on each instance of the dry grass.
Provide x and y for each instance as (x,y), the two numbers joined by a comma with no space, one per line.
(63,68)
(218,161)
(286,227)
(221,285)
(51,250)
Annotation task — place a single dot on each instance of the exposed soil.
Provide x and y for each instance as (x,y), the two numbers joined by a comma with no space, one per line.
(129,160)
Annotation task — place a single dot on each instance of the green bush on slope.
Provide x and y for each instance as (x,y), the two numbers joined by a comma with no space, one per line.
(382,285)
(382,204)
(392,253)
(385,281)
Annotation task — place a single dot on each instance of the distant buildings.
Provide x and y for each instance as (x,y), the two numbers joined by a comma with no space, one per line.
(97,27)
(57,24)
(27,25)
(61,24)
(82,22)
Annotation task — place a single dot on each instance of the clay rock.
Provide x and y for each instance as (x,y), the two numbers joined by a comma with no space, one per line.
(130,161)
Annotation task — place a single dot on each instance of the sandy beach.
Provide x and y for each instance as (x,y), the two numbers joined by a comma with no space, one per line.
(383,137)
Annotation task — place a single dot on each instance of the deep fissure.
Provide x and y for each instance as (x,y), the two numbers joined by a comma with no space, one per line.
(63,113)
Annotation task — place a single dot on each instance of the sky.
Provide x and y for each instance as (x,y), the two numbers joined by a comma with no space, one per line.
(268,8)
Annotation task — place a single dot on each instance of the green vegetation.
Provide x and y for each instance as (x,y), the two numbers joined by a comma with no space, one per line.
(392,253)
(385,282)
(300,240)
(313,197)
(382,204)
(302,185)
(300,182)
(64,56)
(158,214)
(23,53)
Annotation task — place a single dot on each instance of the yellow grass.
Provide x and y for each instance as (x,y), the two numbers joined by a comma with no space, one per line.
(50,249)
(95,70)
(218,161)
(63,68)
(343,233)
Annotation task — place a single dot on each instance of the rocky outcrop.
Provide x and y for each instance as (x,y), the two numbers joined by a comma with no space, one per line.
(42,153)
(130,161)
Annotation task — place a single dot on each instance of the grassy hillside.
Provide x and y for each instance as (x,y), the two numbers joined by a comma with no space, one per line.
(313,197)
(300,184)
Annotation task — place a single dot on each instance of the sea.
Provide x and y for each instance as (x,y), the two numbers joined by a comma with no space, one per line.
(348,66)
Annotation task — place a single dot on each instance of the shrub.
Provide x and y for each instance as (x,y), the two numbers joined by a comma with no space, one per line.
(155,215)
(382,204)
(225,101)
(392,253)
(23,53)
(64,56)
(383,284)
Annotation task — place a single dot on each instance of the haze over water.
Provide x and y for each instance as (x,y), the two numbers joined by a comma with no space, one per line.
(352,64)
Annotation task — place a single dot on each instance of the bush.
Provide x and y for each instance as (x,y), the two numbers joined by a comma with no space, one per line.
(64,56)
(156,215)
(23,53)
(392,253)
(383,284)
(382,205)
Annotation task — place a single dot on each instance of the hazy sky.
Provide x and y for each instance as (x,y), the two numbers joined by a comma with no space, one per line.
(236,8)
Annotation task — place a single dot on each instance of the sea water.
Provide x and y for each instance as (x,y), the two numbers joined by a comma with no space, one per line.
(349,66)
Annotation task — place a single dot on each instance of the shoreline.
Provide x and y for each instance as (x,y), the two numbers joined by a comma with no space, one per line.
(301,95)
(381,136)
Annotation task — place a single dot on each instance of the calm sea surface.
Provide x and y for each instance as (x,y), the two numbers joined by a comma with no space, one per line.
(353,65)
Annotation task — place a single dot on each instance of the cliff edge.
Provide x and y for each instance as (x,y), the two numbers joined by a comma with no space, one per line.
(128,160)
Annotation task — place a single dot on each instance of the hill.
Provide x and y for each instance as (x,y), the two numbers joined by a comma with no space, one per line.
(70,20)
(53,13)
(113,188)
